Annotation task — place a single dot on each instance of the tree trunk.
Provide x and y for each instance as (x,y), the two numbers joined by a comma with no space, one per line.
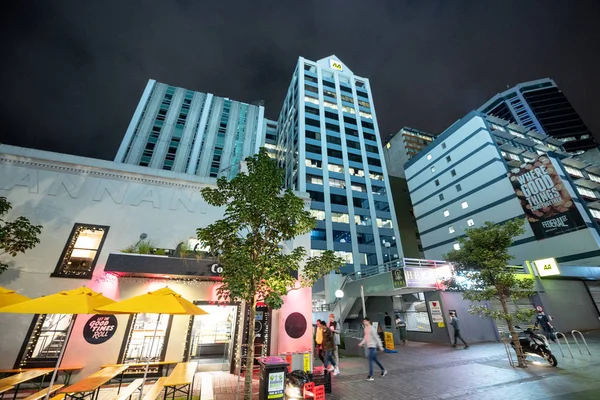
(513,333)
(250,354)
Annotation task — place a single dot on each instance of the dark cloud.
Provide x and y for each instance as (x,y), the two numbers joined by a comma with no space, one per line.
(72,71)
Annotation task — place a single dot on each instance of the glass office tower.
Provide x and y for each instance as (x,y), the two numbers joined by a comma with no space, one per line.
(329,145)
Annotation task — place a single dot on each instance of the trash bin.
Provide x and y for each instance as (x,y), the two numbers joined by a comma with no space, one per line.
(272,378)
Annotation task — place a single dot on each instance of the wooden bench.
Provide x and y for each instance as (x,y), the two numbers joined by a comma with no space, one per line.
(59,396)
(128,391)
(206,391)
(155,389)
(181,380)
(42,393)
(5,389)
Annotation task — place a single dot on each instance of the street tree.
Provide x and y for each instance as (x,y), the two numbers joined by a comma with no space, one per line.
(17,236)
(250,242)
(481,273)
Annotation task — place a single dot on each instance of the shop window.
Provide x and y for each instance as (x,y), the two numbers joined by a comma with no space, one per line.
(79,256)
(45,340)
(415,314)
(141,344)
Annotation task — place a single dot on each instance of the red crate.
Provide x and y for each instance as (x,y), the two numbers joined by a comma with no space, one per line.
(320,392)
(307,390)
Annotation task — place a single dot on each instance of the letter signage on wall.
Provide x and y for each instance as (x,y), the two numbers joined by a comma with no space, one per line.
(547,267)
(100,328)
(334,64)
(547,204)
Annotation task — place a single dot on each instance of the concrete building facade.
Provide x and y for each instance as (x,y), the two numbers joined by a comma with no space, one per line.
(181,130)
(329,146)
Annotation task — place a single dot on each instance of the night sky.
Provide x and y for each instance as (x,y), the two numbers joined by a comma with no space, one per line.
(72,72)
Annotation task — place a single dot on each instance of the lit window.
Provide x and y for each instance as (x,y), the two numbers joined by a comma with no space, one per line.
(315,180)
(456,246)
(318,214)
(432,169)
(446,213)
(470,222)
(46,329)
(340,218)
(448,158)
(81,252)
(365,115)
(595,213)
(388,145)
(573,171)
(451,229)
(346,256)
(586,192)
(335,168)
(356,172)
(594,178)
(464,205)
(517,134)
(338,183)
(429,156)
(362,220)
(316,253)
(497,127)
(311,100)
(384,223)
(458,188)
(441,197)
(312,163)
(329,105)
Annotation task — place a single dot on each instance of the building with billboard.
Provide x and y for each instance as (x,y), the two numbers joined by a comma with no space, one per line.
(486,169)
(541,106)
(329,146)
(180,130)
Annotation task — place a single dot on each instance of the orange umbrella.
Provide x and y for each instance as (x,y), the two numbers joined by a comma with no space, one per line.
(77,301)
(161,301)
(9,297)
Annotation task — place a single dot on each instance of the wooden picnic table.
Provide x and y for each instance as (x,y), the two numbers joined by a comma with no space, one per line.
(90,386)
(143,364)
(22,377)
(67,370)
(5,389)
(181,379)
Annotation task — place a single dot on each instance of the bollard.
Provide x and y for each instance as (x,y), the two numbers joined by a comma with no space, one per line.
(577,343)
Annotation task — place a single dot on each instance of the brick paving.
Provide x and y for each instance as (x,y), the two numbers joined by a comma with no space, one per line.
(482,372)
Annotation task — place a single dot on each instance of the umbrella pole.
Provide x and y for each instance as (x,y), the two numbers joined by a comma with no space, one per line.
(148,357)
(60,356)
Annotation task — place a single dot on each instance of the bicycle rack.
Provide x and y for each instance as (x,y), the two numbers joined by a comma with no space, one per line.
(558,335)
(506,340)
(577,343)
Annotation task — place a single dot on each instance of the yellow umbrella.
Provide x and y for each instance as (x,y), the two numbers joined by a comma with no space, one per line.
(161,301)
(76,301)
(9,297)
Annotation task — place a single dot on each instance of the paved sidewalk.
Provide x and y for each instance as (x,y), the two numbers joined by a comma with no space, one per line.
(429,371)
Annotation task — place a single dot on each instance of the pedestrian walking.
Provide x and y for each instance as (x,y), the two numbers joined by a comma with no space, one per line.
(335,329)
(328,346)
(319,341)
(373,343)
(456,325)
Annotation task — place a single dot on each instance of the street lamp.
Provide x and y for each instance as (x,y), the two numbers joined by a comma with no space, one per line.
(339,293)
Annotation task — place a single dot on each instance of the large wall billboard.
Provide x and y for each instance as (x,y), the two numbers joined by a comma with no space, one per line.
(548,205)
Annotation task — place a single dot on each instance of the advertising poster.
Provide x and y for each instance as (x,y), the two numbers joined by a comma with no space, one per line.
(547,204)
(436,312)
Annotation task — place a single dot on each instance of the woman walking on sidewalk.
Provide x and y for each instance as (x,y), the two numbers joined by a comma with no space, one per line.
(372,341)
(328,346)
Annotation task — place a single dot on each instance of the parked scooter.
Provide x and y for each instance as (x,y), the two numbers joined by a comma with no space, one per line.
(535,344)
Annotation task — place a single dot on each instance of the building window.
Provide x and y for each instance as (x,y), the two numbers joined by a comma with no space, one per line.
(456,246)
(141,338)
(388,145)
(441,197)
(451,229)
(384,223)
(340,218)
(318,214)
(594,178)
(573,171)
(470,222)
(448,158)
(458,188)
(79,256)
(453,172)
(446,213)
(338,183)
(464,205)
(47,338)
(437,182)
(443,145)
(428,156)
(432,169)
(335,168)
(586,192)
(595,213)
(315,180)
(362,220)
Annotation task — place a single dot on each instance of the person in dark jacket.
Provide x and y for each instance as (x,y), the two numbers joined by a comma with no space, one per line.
(328,346)
(456,325)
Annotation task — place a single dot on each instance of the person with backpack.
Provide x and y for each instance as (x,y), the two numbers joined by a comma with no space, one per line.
(372,341)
